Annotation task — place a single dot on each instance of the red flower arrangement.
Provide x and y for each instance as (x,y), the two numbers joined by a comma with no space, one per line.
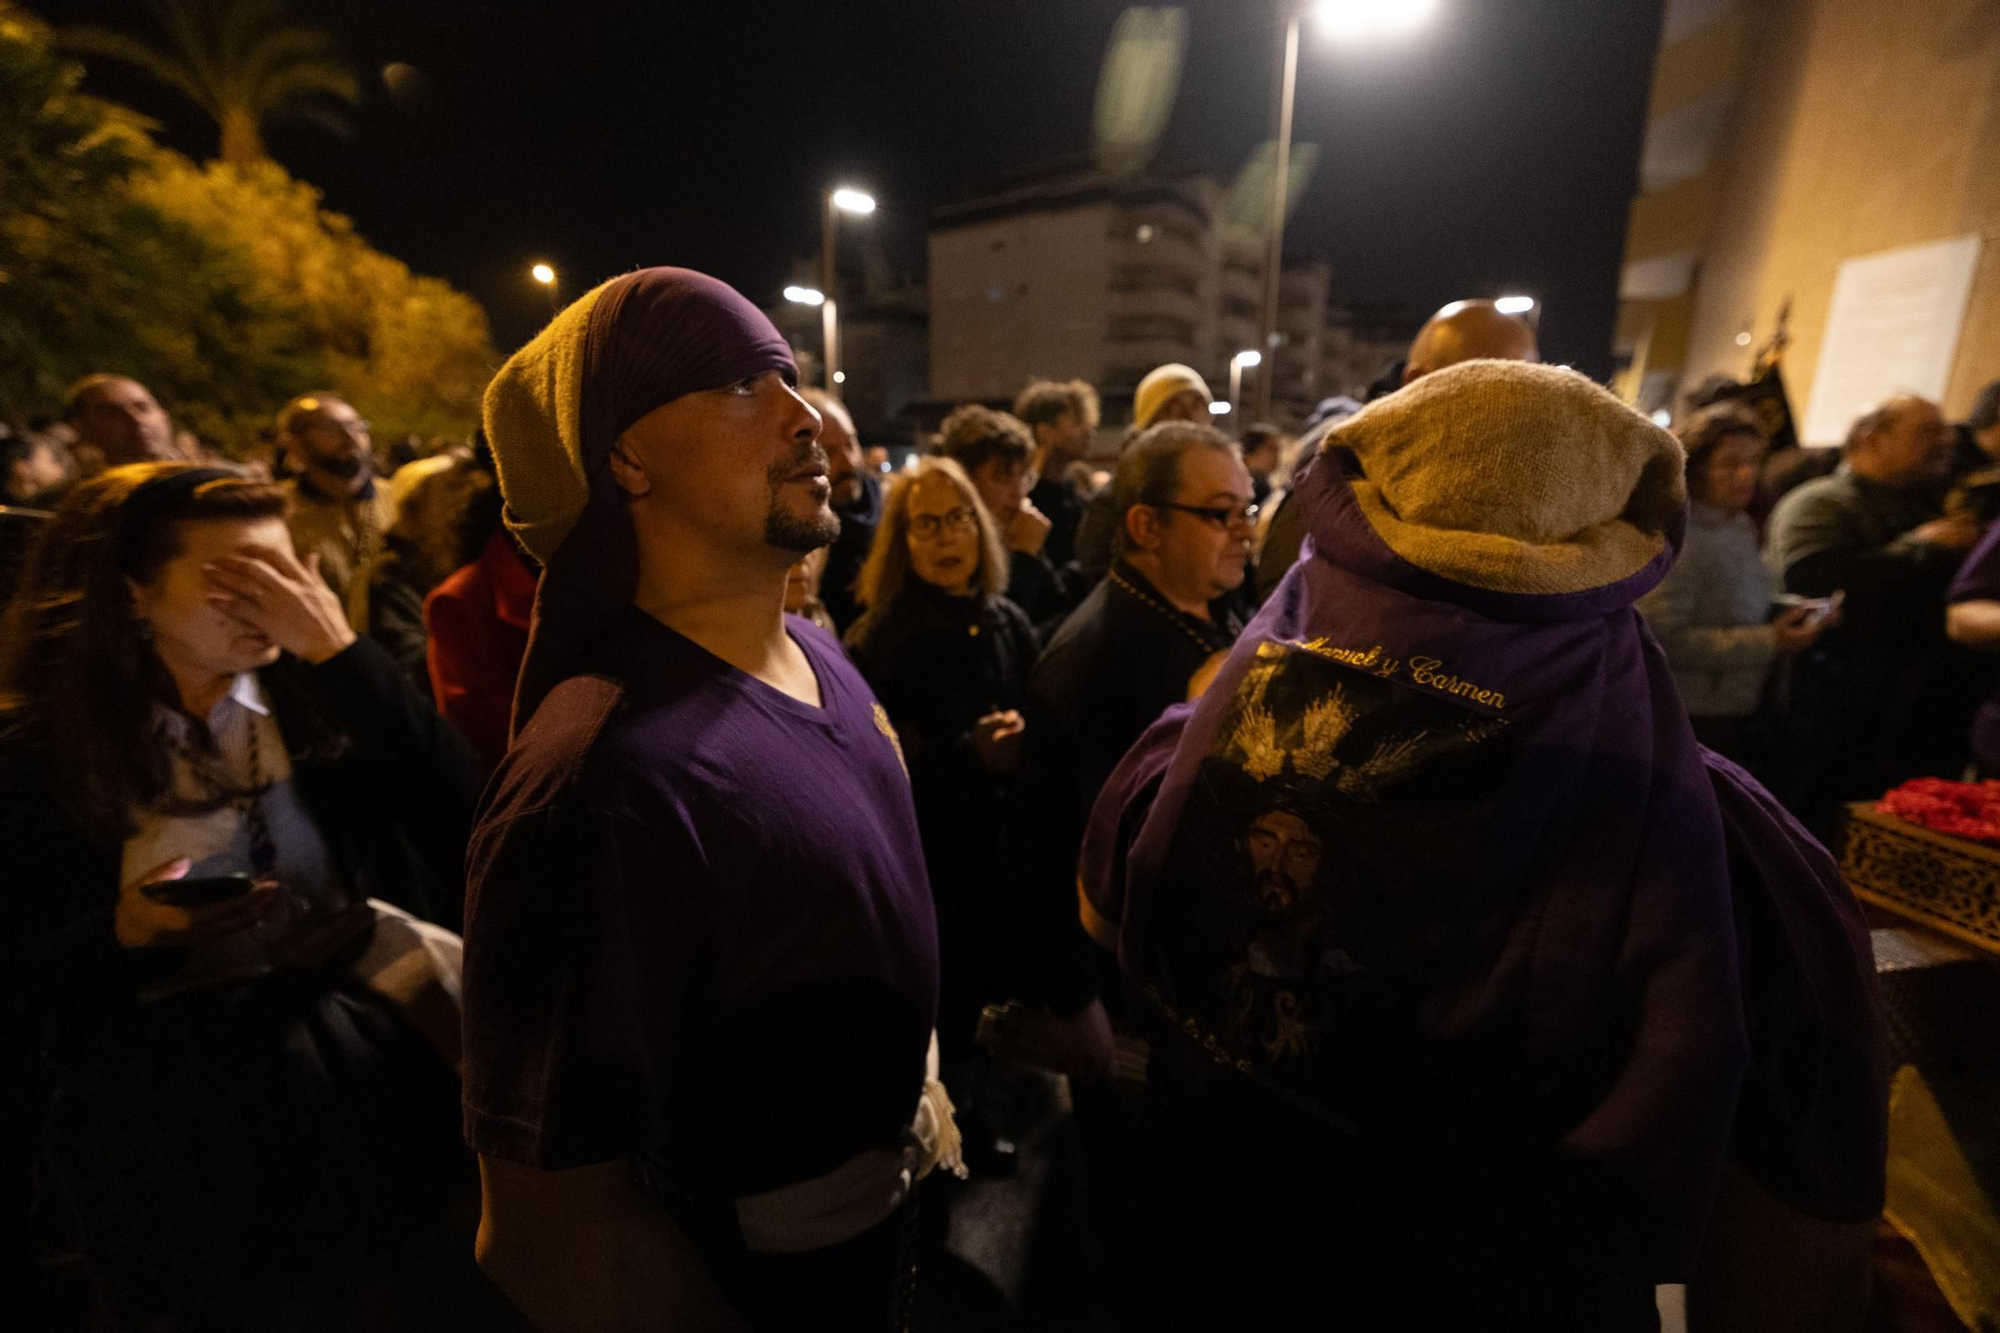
(1963,809)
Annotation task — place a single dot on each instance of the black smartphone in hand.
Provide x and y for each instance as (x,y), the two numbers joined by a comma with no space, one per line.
(199,892)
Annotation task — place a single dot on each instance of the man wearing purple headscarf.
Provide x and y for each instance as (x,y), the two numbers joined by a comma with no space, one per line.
(701,963)
(1473,981)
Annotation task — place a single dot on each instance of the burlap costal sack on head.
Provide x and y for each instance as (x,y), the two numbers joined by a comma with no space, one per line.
(1515,478)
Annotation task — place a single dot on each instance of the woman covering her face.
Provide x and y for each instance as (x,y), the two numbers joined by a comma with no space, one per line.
(213,792)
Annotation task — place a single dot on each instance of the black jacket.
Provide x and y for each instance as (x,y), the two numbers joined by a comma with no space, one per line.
(848,553)
(392,796)
(937,664)
(1121,659)
(391,787)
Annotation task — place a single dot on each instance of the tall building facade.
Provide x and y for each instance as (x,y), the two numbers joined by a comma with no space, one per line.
(1809,156)
(1081,276)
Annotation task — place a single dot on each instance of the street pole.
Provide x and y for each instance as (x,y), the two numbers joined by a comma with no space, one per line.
(1236,393)
(829,317)
(1274,255)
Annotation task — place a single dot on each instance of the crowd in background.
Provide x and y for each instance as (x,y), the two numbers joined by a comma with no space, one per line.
(300,668)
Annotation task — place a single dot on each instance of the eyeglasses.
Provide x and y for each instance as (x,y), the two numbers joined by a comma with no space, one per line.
(1221,516)
(928,526)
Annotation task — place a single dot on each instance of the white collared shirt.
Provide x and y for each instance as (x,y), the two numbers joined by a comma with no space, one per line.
(218,842)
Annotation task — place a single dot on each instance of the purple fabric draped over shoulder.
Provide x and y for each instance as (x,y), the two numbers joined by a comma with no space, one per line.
(1444,867)
(652,336)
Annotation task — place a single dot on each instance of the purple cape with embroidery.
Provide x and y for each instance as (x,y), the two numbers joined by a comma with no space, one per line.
(1445,868)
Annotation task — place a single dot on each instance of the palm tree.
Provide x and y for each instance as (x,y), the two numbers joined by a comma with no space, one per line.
(241,62)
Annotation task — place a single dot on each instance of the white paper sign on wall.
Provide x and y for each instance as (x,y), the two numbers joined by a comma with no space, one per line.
(1893,329)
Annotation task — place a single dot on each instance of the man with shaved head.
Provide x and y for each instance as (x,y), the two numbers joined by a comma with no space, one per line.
(1884,696)
(338,512)
(1461,331)
(1468,331)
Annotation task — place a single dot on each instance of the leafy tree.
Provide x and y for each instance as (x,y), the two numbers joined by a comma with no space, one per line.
(241,63)
(93,278)
(412,354)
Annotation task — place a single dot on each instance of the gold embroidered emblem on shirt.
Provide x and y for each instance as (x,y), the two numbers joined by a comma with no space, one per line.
(883,725)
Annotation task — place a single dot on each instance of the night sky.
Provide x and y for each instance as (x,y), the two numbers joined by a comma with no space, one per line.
(1493,150)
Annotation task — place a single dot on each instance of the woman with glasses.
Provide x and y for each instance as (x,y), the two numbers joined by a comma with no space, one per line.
(948,657)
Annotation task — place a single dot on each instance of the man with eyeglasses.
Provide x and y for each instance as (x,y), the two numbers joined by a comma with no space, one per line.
(337,509)
(1127,653)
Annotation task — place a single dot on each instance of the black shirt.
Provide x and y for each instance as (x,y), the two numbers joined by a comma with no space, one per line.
(1121,659)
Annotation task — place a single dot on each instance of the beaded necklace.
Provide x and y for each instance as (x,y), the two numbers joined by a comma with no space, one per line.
(217,791)
(1179,619)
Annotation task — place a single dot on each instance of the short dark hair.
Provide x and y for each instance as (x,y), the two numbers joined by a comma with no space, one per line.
(1149,471)
(1708,428)
(77,397)
(1986,408)
(1045,401)
(1258,434)
(974,435)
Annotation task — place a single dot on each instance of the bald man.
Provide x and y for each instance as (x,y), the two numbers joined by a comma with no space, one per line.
(338,511)
(1468,331)
(1885,696)
(1461,331)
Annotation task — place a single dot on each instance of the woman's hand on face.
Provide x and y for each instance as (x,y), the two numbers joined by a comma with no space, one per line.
(996,739)
(285,601)
(139,922)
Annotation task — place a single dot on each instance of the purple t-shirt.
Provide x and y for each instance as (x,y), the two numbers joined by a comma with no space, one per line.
(1979,581)
(698,926)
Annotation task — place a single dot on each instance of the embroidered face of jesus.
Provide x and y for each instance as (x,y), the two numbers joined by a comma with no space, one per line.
(1285,855)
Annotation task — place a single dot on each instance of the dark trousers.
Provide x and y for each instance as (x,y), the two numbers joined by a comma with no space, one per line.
(866,1284)
(1245,1217)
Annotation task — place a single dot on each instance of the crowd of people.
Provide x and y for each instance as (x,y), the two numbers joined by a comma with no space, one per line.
(1442,797)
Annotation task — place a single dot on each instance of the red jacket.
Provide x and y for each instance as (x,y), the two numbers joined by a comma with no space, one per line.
(477,625)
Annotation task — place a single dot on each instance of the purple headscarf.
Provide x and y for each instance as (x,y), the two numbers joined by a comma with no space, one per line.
(643,340)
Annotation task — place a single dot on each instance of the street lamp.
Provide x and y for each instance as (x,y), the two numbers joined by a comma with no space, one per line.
(1514,305)
(805,296)
(1239,363)
(545,275)
(1338,19)
(838,201)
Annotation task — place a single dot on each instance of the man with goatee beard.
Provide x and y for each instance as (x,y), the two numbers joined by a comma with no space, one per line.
(701,956)
(338,512)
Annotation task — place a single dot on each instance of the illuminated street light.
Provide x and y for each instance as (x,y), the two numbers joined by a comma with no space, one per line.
(543,274)
(838,201)
(804,295)
(1340,19)
(1370,18)
(1514,305)
(1239,363)
(1218,409)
